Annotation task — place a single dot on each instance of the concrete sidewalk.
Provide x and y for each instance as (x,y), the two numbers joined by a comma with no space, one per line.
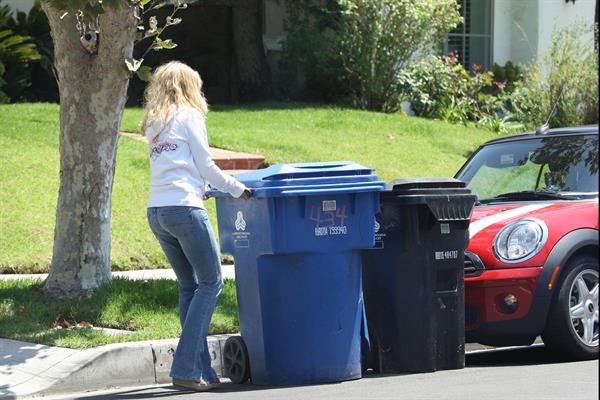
(31,370)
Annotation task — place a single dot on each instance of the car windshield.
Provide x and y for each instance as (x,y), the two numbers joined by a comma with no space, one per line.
(538,168)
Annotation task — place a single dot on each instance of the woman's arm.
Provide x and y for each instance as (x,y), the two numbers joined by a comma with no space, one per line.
(198,142)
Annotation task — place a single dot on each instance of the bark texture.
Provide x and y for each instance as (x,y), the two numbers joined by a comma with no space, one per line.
(92,91)
(249,53)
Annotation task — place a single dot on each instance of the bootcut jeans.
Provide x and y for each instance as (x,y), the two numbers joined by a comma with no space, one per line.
(187,238)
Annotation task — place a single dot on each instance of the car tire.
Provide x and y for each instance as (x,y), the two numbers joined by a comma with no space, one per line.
(569,332)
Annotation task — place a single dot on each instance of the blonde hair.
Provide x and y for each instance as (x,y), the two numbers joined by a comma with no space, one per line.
(173,85)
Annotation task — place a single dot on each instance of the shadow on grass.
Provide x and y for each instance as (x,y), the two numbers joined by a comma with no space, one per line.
(272,105)
(148,307)
(226,317)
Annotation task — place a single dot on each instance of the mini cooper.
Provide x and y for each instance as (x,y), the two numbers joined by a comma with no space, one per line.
(531,266)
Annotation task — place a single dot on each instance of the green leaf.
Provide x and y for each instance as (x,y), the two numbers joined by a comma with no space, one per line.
(16,47)
(132,64)
(144,73)
(14,40)
(5,33)
(153,23)
(173,21)
(150,33)
(163,44)
(156,6)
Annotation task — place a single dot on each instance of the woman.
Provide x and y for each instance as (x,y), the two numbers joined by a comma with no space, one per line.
(181,167)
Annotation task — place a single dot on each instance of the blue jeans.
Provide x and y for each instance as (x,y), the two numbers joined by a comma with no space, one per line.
(186,237)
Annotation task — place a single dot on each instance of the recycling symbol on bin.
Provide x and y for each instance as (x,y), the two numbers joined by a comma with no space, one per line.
(377,226)
(240,224)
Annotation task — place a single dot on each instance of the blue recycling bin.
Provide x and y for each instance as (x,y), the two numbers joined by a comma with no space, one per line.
(296,246)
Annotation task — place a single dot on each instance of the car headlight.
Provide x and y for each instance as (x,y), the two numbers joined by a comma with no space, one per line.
(520,240)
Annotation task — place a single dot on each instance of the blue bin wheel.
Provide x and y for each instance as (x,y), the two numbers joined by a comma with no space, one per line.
(235,359)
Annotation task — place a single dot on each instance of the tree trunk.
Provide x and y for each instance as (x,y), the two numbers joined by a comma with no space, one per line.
(92,91)
(249,53)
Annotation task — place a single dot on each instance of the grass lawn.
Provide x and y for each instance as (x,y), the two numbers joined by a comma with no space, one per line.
(149,308)
(397,146)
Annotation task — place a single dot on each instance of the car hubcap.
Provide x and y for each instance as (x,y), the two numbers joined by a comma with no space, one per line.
(584,306)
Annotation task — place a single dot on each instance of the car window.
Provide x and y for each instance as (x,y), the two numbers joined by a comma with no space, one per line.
(559,164)
(489,182)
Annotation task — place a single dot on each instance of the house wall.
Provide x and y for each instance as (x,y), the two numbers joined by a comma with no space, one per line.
(515,30)
(524,28)
(557,14)
(19,5)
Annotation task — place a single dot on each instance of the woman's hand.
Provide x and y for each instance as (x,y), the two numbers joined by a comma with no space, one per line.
(247,194)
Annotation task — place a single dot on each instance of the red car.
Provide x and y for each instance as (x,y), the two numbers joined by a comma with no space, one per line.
(531,267)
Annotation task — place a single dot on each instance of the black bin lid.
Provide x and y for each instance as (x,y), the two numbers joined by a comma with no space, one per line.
(447,198)
(416,186)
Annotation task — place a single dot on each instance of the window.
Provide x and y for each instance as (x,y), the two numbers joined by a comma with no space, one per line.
(472,39)
(559,164)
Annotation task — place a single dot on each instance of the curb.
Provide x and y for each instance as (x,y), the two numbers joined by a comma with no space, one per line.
(113,365)
(164,350)
(121,365)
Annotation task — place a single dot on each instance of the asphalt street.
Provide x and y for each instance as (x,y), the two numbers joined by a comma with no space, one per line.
(526,373)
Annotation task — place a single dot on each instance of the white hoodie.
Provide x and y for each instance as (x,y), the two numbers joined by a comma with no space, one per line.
(181,165)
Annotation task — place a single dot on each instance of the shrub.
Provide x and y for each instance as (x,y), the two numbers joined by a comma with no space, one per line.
(26,56)
(562,86)
(378,38)
(40,73)
(431,85)
(440,87)
(509,74)
(15,52)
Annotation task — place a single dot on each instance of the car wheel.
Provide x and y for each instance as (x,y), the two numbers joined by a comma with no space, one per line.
(572,327)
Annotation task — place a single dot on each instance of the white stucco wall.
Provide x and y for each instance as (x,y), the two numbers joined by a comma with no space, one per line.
(515,30)
(557,14)
(501,23)
(19,5)
(523,28)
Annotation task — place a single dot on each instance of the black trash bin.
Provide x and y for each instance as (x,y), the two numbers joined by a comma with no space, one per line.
(413,277)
